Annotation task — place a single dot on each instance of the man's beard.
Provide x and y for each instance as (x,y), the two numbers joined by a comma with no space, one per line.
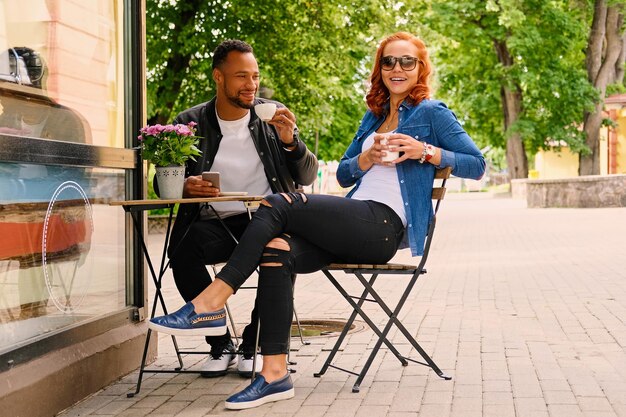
(234,99)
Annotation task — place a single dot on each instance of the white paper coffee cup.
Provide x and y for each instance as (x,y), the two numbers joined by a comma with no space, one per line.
(265,111)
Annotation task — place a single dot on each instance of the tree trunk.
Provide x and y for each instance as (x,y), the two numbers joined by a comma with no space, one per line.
(512,108)
(515,152)
(605,65)
(590,164)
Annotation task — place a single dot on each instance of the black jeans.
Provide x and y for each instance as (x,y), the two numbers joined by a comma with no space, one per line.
(207,243)
(319,230)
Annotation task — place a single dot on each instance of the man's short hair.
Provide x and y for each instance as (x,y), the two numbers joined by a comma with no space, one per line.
(223,49)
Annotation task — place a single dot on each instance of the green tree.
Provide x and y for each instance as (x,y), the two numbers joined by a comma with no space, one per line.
(605,66)
(311,54)
(512,69)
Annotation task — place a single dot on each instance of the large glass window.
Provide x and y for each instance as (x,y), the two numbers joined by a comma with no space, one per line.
(62,247)
(61,72)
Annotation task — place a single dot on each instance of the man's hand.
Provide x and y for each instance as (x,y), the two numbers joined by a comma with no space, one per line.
(195,186)
(285,123)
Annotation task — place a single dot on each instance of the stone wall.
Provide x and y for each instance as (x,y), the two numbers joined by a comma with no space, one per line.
(582,192)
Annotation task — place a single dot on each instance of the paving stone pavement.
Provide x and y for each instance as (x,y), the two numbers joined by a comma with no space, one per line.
(524,308)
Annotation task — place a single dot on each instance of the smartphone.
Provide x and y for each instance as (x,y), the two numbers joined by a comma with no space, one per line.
(213,177)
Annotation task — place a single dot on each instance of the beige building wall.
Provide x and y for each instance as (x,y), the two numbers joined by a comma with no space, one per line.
(604,160)
(621,142)
(554,163)
(617,112)
(81,44)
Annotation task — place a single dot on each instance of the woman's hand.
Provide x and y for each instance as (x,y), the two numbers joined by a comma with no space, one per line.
(374,154)
(195,186)
(412,148)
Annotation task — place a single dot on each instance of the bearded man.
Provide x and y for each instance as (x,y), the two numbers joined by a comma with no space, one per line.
(251,155)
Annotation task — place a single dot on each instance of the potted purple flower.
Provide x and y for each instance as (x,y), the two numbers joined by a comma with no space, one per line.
(168,147)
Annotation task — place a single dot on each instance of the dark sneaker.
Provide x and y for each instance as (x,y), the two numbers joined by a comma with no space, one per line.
(186,322)
(218,361)
(260,392)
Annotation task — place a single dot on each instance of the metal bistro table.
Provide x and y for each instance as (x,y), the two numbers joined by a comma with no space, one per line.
(135,208)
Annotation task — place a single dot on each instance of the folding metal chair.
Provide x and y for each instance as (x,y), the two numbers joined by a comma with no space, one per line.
(371,295)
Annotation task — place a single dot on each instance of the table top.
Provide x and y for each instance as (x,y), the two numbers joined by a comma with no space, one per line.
(160,202)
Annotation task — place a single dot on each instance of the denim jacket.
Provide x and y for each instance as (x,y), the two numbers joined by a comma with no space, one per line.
(432,122)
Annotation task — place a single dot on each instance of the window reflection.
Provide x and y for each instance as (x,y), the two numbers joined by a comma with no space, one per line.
(25,107)
(62,250)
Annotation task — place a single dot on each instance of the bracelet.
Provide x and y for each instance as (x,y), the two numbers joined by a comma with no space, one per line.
(424,153)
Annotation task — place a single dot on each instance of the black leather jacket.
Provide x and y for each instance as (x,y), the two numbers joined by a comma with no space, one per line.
(283,168)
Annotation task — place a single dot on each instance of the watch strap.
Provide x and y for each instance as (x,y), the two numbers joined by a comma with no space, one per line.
(430,152)
(293,144)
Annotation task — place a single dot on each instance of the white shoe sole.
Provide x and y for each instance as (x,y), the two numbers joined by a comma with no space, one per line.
(285,395)
(246,373)
(211,373)
(203,331)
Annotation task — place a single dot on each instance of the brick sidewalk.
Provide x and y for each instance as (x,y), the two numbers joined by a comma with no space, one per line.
(525,308)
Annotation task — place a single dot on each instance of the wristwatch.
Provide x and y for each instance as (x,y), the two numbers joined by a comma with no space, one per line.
(293,145)
(430,151)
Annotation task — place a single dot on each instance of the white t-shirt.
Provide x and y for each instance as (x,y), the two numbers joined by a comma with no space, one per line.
(239,165)
(381,184)
(34,130)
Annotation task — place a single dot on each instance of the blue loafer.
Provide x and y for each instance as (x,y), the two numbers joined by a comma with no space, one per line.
(260,392)
(186,322)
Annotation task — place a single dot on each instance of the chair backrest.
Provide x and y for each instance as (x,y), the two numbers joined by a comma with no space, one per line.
(438,194)
(439,191)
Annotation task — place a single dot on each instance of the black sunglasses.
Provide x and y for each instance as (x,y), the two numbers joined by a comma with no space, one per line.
(407,63)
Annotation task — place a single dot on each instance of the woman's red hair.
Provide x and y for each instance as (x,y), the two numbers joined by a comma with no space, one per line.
(379,94)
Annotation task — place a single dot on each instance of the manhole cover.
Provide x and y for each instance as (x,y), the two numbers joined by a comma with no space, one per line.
(313,328)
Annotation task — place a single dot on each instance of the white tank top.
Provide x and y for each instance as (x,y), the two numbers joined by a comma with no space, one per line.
(380,183)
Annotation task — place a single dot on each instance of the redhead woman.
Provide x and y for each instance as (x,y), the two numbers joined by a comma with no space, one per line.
(388,208)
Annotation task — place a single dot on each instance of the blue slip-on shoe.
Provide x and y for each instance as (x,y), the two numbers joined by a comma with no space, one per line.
(260,392)
(186,322)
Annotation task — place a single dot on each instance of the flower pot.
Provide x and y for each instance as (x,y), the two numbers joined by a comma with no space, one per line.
(171,181)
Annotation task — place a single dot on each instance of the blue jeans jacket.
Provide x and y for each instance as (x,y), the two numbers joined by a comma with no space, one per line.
(432,122)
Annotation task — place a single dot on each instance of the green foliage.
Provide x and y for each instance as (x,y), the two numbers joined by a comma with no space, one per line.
(608,122)
(314,55)
(615,89)
(546,42)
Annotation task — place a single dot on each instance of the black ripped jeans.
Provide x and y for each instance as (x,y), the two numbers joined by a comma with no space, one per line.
(207,242)
(319,229)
